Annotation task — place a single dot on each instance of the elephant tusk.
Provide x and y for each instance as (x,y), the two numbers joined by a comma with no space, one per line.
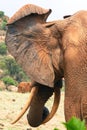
(55,105)
(28,103)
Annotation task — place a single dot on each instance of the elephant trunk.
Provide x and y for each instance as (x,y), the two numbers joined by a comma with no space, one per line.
(37,112)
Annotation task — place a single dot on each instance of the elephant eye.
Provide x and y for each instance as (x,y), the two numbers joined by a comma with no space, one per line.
(12,29)
(28,35)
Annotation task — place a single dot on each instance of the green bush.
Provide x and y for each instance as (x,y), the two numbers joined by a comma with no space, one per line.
(74,124)
(2,64)
(14,70)
(3,49)
(56,129)
(11,66)
(1,14)
(3,25)
(9,81)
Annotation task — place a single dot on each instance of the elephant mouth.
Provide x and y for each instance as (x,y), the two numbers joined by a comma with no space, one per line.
(29,101)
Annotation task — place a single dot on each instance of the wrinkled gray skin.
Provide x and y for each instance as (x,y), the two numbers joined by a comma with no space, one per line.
(38,112)
(49,51)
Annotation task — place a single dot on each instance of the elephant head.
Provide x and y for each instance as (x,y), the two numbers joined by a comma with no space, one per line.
(47,51)
(34,45)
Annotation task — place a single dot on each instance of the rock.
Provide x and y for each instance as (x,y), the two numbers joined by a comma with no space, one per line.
(12,88)
(2,85)
(24,87)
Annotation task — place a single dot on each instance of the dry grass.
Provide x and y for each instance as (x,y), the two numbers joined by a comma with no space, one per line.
(11,104)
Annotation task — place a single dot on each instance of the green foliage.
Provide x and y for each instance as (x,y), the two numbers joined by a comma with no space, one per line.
(3,21)
(75,124)
(3,49)
(1,14)
(3,25)
(7,64)
(2,63)
(56,129)
(15,70)
(12,69)
(9,81)
(11,66)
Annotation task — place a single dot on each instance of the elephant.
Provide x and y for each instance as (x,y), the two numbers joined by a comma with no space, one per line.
(24,87)
(48,52)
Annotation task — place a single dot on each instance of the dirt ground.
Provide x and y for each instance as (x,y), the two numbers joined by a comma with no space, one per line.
(11,104)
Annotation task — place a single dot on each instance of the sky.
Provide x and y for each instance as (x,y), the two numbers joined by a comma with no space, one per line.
(59,7)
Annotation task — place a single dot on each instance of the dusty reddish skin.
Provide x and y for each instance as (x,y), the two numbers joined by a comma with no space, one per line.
(47,52)
(24,87)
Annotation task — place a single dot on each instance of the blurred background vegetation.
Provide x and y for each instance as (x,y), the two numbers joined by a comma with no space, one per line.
(10,72)
(3,20)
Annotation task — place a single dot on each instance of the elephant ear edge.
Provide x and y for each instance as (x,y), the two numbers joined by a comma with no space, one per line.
(28,10)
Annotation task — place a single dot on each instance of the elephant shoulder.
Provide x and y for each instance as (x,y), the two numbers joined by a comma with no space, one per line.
(80,17)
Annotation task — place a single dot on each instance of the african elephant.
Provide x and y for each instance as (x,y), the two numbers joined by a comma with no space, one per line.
(47,52)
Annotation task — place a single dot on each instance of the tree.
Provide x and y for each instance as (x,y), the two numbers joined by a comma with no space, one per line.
(1,14)
(15,70)
(3,49)
(3,25)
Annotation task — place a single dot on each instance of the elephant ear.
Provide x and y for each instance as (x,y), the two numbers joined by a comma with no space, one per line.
(25,39)
(28,10)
